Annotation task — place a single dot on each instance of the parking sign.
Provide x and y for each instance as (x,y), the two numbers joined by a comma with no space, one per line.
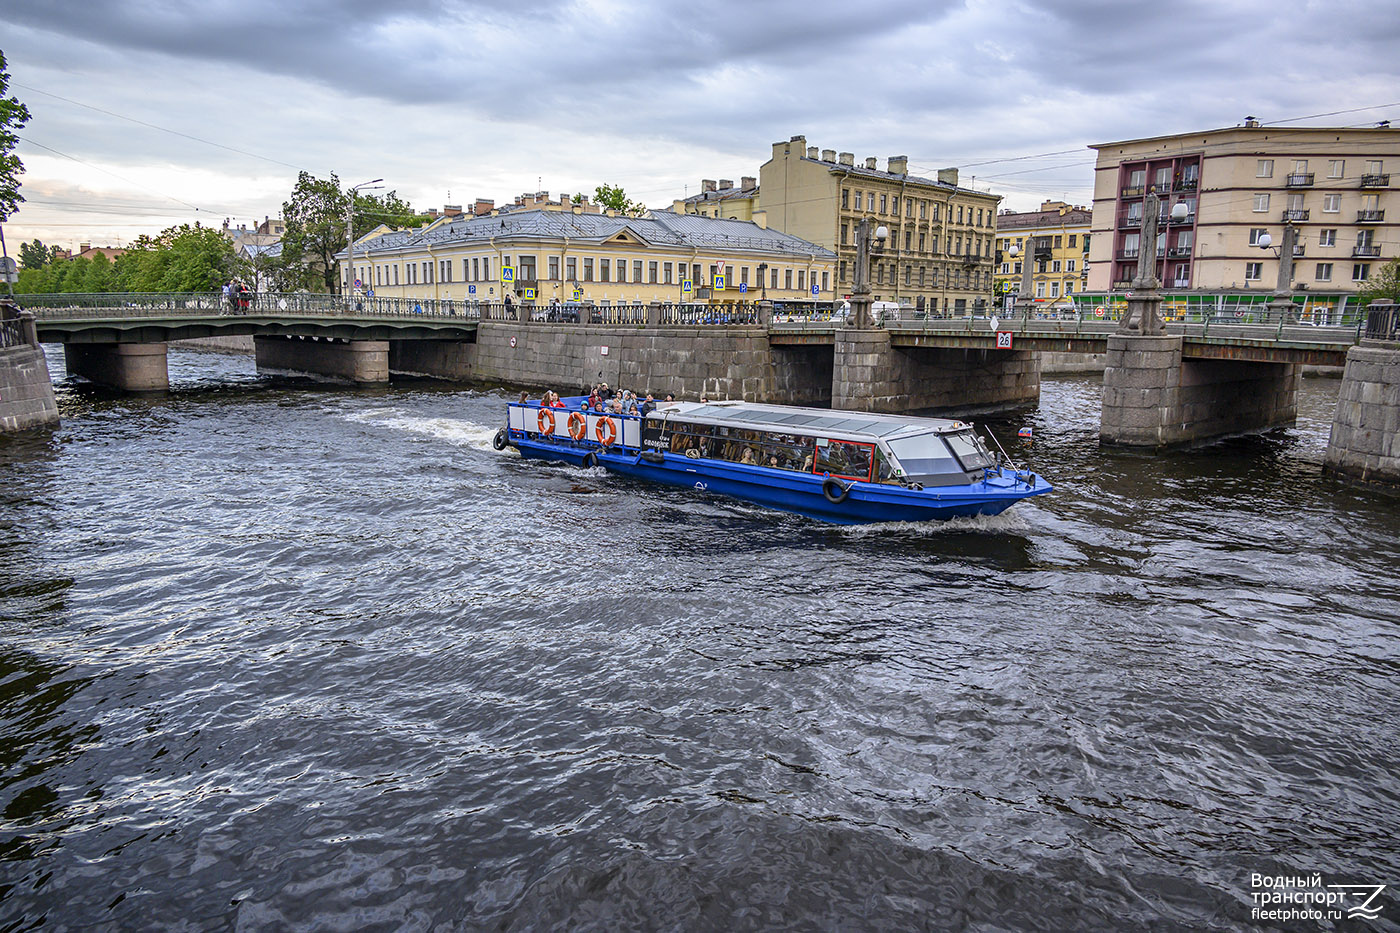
(816,290)
(743,287)
(471,289)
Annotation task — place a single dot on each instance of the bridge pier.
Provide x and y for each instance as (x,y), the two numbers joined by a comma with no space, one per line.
(868,374)
(1154,399)
(1365,441)
(131,367)
(363,362)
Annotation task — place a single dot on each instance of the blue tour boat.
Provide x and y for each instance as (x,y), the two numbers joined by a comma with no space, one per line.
(838,466)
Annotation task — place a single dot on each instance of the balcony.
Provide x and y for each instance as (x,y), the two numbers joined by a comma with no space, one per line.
(1366,252)
(1179,252)
(1135,191)
(1375,181)
(1299,249)
(1129,221)
(1299,180)
(1370,217)
(1122,285)
(1189,219)
(1126,254)
(1295,214)
(1180,283)
(1188,184)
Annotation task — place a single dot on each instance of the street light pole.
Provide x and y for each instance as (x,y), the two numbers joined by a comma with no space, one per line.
(350,240)
(860,294)
(1281,304)
(1025,304)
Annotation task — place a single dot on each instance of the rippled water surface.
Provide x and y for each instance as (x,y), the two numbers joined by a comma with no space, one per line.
(275,655)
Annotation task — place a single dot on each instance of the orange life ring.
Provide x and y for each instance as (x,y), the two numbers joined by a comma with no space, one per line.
(546,420)
(578,425)
(606,431)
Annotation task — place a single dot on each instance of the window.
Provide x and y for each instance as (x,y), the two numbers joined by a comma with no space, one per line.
(666,274)
(908,207)
(1069,265)
(396,273)
(1137,178)
(1336,168)
(1055,266)
(571,269)
(637,272)
(554,268)
(923,210)
(486,268)
(527,269)
(960,213)
(1072,238)
(1056,243)
(908,276)
(841,271)
(801,280)
(1264,168)
(858,201)
(1054,289)
(1253,271)
(743,275)
(1331,203)
(894,205)
(1374,166)
(787,279)
(845,228)
(774,283)
(1069,288)
(605,270)
(1295,202)
(826,280)
(846,198)
(935,213)
(883,199)
(588,268)
(651,272)
(1327,237)
(1040,289)
(1261,203)
(870,202)
(1324,272)
(1360,272)
(622,270)
(1300,166)
(466,270)
(1255,233)
(908,240)
(1370,202)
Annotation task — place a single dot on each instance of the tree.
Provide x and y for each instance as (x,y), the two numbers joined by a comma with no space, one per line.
(34,255)
(315,218)
(13,116)
(179,259)
(1383,286)
(614,198)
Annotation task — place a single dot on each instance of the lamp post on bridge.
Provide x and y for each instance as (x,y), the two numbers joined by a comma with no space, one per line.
(1144,301)
(860,294)
(350,239)
(1025,304)
(1281,304)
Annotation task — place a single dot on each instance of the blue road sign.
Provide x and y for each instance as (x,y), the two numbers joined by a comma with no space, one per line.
(743,287)
(816,291)
(471,289)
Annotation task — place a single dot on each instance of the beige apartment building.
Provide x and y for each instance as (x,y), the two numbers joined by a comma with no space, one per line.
(940,251)
(1056,240)
(1332,184)
(545,256)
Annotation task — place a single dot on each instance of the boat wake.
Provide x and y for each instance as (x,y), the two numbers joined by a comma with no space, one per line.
(452,430)
(1009,522)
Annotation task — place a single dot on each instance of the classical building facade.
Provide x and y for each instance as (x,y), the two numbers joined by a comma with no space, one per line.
(1332,185)
(1054,238)
(604,259)
(940,251)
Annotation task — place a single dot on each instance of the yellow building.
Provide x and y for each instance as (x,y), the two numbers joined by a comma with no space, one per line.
(544,256)
(939,255)
(1056,238)
(722,199)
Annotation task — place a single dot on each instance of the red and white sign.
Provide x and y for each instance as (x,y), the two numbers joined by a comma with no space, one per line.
(512,343)
(1003,340)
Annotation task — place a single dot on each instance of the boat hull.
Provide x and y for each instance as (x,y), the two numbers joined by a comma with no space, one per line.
(797,492)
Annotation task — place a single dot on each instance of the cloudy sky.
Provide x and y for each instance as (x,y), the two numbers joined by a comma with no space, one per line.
(148,113)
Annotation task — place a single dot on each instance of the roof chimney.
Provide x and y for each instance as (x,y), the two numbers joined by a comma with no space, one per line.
(948,176)
(748,182)
(899,165)
(871,162)
(84,247)
(812,152)
(828,155)
(566,201)
(483,207)
(726,183)
(1250,121)
(847,158)
(707,185)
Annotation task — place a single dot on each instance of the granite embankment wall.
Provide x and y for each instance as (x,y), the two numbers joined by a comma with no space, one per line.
(870,375)
(26,392)
(239,344)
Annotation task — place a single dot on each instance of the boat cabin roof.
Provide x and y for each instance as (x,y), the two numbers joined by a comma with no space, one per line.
(790,419)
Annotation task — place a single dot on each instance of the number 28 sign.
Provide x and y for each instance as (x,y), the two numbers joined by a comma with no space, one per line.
(1003,340)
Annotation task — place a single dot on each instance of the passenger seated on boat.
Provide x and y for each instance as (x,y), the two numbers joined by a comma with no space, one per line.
(748,457)
(555,401)
(524,397)
(773,462)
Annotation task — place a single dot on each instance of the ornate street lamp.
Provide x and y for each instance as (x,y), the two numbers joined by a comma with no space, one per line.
(1144,301)
(350,239)
(860,295)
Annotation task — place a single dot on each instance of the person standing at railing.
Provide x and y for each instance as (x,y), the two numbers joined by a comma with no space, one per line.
(228,293)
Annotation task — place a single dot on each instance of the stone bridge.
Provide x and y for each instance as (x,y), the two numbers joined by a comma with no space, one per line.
(1206,378)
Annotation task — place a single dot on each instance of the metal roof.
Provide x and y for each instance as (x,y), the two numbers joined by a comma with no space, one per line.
(657,228)
(792,419)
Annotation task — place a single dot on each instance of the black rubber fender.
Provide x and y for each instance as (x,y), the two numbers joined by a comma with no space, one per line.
(835,490)
(501,439)
(590,460)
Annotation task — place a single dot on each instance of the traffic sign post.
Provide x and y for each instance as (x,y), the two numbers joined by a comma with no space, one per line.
(471,289)
(507,275)
(719,282)
(686,287)
(743,288)
(529,294)
(816,290)
(1003,340)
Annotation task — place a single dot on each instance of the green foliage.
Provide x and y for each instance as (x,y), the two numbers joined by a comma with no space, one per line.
(315,218)
(13,116)
(614,198)
(1383,286)
(33,255)
(179,259)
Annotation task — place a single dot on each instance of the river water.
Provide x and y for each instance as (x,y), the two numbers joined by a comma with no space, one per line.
(276,655)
